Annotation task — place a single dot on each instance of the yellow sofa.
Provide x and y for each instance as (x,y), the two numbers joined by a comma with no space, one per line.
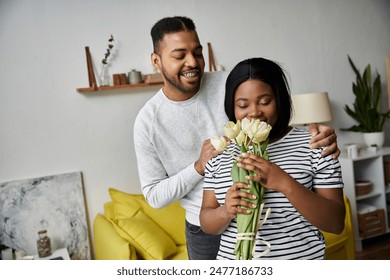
(130,229)
(341,246)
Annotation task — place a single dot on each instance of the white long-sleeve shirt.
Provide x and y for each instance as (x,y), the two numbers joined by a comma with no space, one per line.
(168,137)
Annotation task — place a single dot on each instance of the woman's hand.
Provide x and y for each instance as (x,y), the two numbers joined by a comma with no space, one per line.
(234,199)
(214,218)
(266,173)
(324,136)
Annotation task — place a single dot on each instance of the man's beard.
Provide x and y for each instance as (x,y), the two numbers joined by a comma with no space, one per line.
(174,81)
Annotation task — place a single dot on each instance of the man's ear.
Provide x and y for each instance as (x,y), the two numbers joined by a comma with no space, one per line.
(156,61)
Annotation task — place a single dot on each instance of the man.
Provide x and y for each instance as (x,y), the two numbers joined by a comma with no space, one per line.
(171,130)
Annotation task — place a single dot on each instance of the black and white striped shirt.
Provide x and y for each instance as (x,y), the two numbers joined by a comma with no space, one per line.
(291,236)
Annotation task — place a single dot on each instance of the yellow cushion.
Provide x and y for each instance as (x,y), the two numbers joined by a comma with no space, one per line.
(109,210)
(123,211)
(108,244)
(127,204)
(150,241)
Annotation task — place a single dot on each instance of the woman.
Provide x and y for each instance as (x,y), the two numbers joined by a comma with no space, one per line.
(303,188)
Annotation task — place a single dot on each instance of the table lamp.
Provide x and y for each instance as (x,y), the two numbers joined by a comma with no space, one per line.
(310,108)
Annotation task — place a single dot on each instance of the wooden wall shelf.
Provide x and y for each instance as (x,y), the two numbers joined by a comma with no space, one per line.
(106,88)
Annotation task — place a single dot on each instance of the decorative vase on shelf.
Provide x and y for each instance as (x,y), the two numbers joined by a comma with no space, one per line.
(104,77)
(374,139)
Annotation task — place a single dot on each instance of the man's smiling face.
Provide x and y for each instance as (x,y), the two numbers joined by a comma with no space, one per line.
(180,59)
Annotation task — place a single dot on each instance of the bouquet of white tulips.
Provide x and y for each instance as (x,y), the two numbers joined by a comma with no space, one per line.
(250,136)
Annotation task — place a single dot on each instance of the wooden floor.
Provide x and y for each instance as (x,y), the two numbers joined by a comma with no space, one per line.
(377,248)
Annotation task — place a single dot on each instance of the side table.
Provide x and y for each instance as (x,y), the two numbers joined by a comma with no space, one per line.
(59,254)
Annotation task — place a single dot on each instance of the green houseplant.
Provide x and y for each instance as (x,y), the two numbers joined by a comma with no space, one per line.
(367,108)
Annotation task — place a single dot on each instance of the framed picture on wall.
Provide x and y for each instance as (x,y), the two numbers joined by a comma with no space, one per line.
(53,203)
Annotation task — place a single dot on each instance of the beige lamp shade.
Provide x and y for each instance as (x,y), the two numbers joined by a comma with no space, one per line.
(311,108)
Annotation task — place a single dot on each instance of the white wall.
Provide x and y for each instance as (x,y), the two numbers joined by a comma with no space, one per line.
(47,128)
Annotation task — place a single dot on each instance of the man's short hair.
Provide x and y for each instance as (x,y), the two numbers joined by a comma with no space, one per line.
(170,25)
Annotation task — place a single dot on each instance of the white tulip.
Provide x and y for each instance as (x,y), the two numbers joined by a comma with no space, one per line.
(241,138)
(232,129)
(246,125)
(219,143)
(259,132)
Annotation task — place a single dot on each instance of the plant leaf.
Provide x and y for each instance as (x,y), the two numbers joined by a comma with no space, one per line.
(367,105)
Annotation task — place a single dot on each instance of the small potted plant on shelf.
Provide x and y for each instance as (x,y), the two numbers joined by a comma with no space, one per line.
(367,108)
(104,75)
